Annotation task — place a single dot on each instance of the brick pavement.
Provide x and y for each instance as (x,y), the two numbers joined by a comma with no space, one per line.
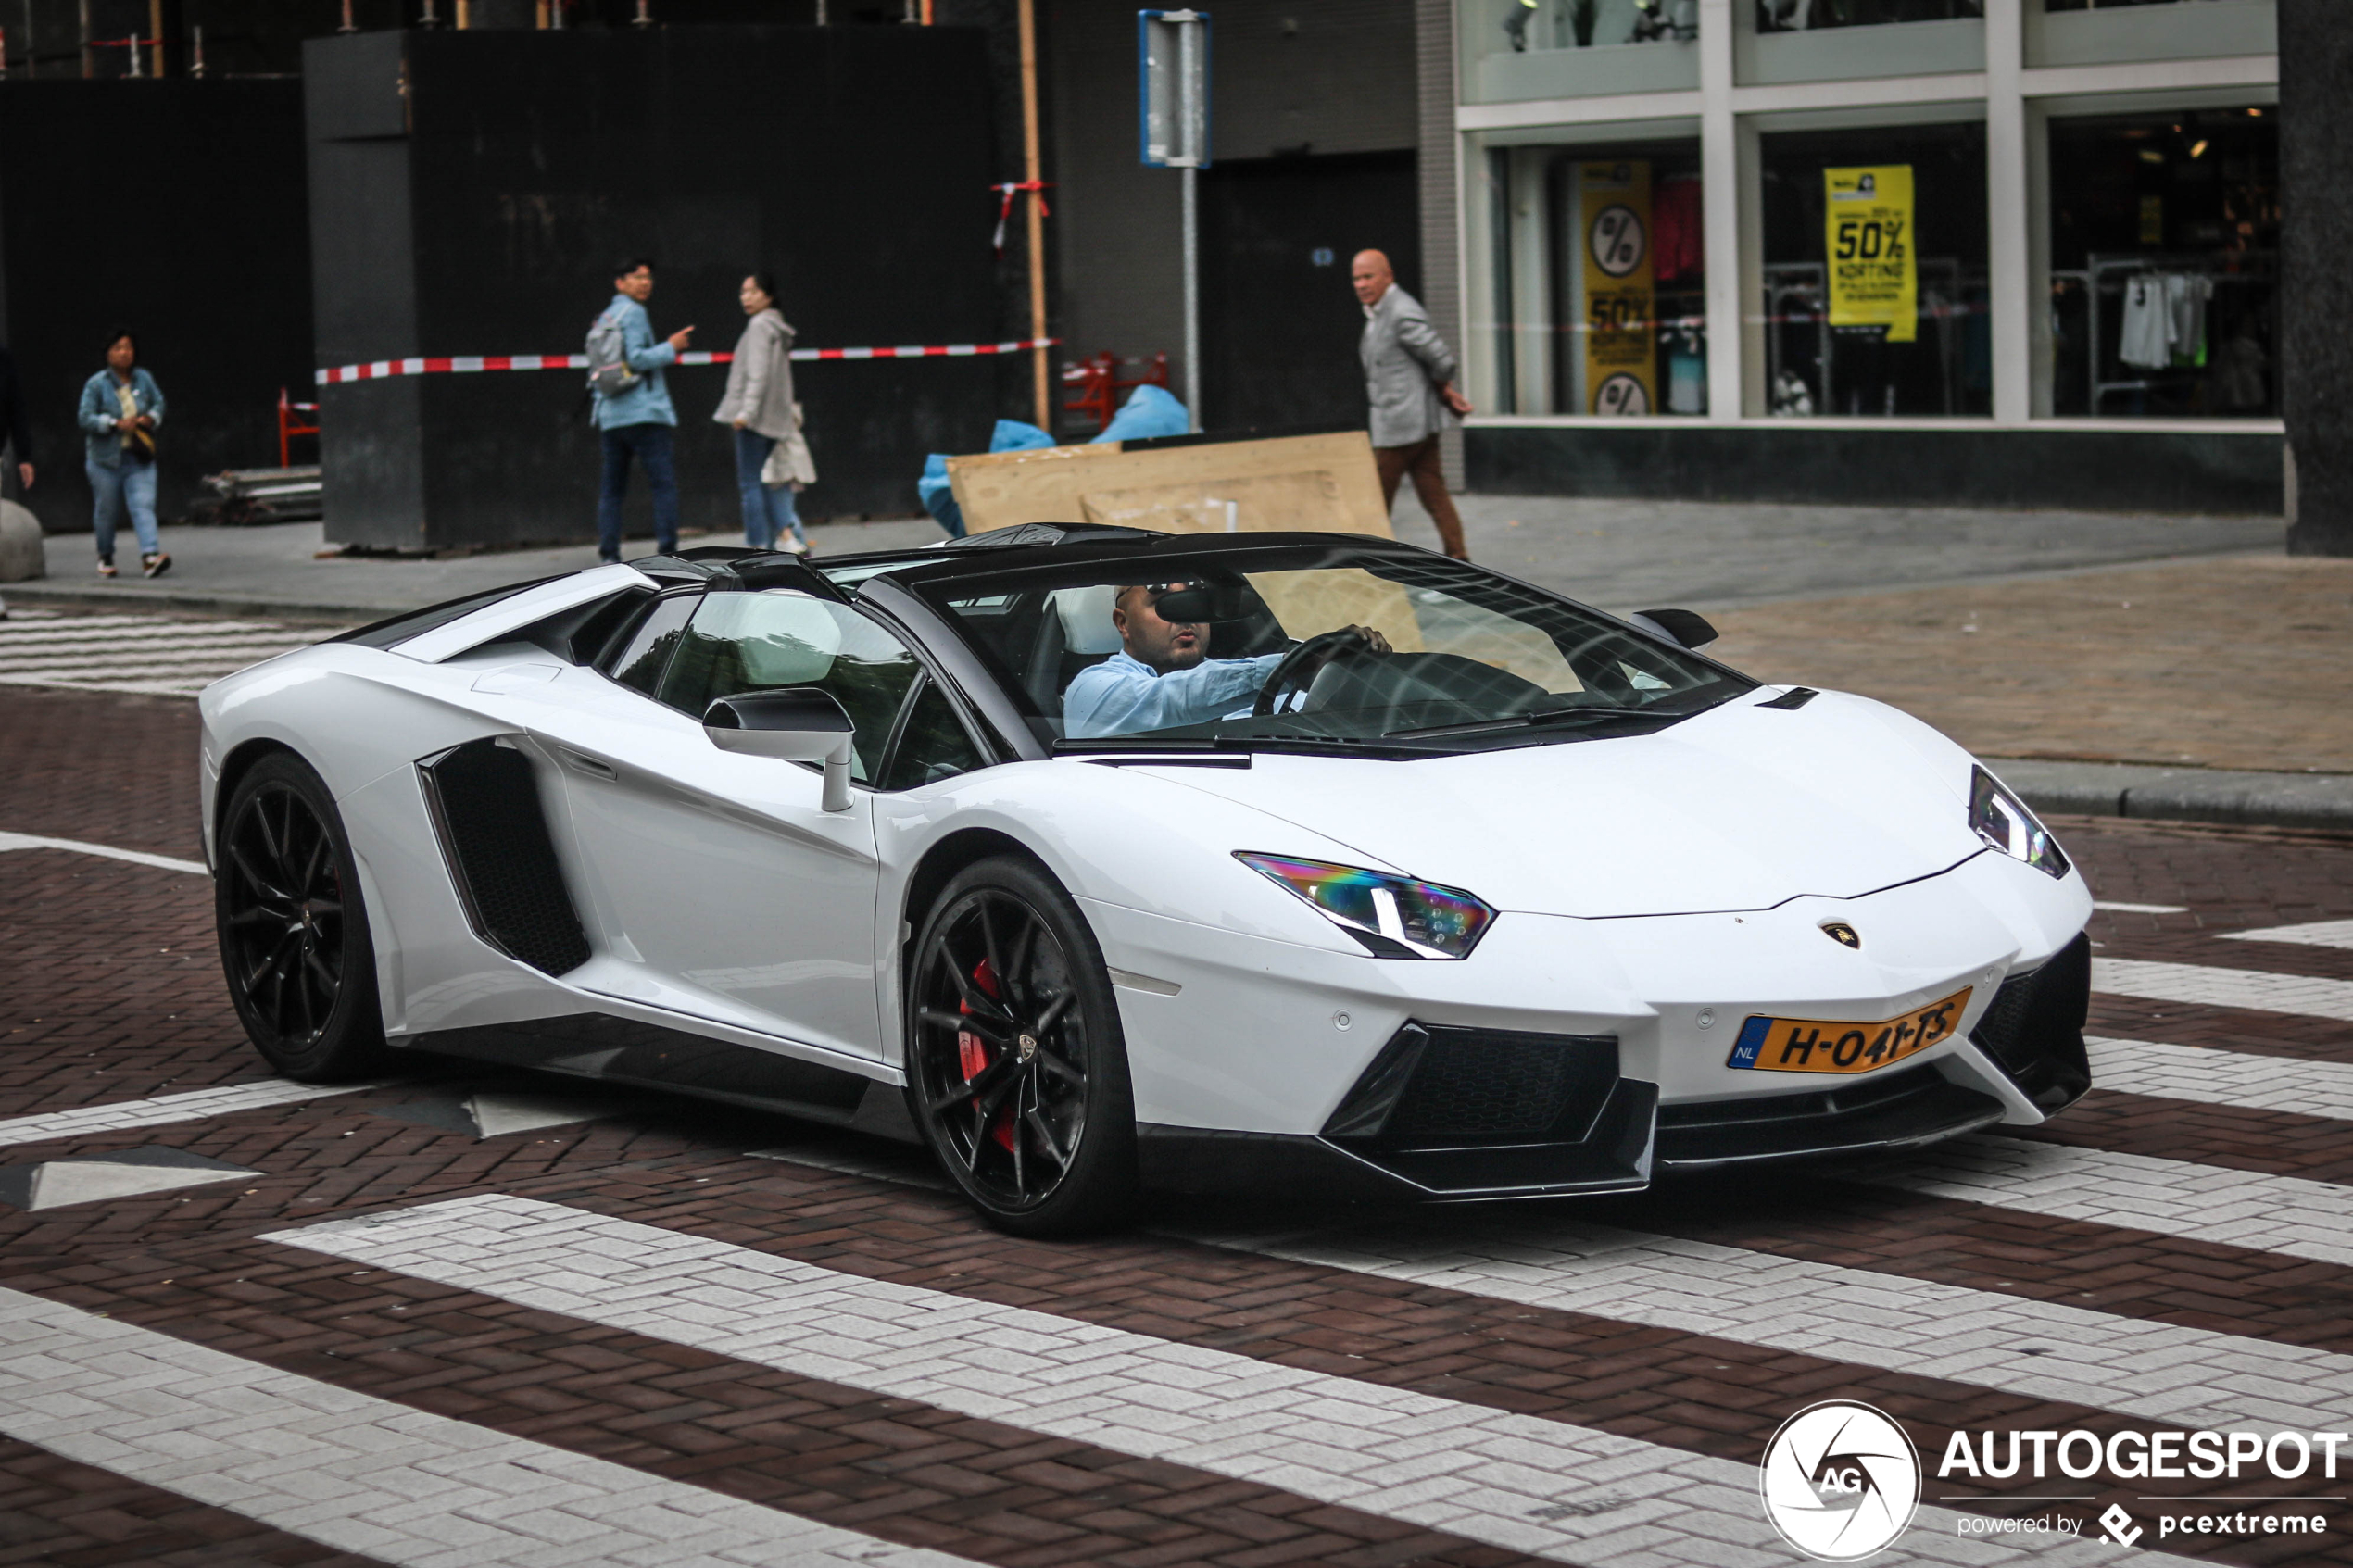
(2238,661)
(186,1262)
(111,768)
(56,1512)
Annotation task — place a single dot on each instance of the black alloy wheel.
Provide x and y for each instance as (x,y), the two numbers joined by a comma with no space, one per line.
(1016,1070)
(294,933)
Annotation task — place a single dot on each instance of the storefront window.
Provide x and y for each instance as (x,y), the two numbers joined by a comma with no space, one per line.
(1795,16)
(2165,264)
(1874,287)
(1590,297)
(1517,49)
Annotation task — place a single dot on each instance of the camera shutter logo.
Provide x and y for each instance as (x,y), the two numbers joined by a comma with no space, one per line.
(1839,1481)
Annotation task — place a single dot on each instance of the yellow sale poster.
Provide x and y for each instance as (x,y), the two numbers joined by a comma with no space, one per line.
(1620,340)
(1874,275)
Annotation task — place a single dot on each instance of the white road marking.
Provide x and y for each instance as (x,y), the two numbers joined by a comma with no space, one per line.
(2217,1077)
(367,1475)
(1489,1475)
(195,1105)
(136,856)
(2316,933)
(2288,1215)
(2011,1344)
(155,655)
(47,660)
(2198,984)
(1985,1338)
(2141,908)
(122,629)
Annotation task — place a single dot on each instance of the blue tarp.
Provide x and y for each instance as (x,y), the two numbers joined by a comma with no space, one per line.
(1148,411)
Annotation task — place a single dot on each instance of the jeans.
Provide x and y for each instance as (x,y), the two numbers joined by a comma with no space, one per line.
(768,509)
(131,487)
(652,446)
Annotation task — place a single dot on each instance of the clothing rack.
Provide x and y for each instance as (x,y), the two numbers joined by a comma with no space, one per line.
(2106,274)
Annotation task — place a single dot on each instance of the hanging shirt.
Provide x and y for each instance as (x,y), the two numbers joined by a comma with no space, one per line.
(2148,327)
(2185,297)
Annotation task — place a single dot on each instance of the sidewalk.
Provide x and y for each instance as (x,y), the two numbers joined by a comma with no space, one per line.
(277,571)
(1621,555)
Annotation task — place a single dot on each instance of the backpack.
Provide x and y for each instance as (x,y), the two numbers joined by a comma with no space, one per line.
(608,370)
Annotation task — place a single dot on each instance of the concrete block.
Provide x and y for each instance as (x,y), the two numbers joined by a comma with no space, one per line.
(22,559)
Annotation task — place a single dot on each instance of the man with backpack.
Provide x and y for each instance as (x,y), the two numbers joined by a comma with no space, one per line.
(634,415)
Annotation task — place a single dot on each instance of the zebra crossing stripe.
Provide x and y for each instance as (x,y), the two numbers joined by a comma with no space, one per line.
(1987,1339)
(2219,1077)
(195,1105)
(2288,1215)
(136,856)
(363,1474)
(138,654)
(2199,985)
(2316,933)
(1489,1475)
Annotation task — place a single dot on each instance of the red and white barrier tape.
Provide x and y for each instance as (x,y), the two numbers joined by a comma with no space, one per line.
(460,364)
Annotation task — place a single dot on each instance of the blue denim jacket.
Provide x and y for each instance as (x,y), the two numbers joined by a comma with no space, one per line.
(648,403)
(101,441)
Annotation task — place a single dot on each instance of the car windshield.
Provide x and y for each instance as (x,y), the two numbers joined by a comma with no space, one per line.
(1307,644)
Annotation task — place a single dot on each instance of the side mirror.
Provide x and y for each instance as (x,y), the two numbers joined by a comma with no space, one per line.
(796,724)
(1684,628)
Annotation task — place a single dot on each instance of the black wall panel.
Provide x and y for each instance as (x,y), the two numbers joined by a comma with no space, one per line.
(2093,471)
(852,162)
(1279,322)
(175,208)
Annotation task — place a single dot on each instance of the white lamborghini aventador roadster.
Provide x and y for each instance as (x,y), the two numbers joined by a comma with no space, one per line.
(1094,857)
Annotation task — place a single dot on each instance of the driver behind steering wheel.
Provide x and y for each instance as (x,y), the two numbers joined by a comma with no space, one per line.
(1163,676)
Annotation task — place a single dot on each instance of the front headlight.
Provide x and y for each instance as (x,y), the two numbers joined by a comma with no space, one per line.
(1394,917)
(2002,820)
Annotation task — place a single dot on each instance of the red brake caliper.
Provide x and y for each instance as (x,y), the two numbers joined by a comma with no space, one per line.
(973,1054)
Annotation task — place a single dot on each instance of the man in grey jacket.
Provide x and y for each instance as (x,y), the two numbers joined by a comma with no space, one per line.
(1409,376)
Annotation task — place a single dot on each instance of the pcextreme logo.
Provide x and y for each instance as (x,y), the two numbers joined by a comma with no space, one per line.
(1839,1481)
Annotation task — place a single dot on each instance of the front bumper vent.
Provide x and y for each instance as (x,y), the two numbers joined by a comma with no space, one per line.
(1468,1111)
(2034,1028)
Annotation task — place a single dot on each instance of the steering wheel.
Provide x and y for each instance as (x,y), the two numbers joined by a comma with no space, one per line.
(1303,664)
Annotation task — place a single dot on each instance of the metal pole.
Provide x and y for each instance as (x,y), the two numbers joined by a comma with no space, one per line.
(1193,302)
(1041,385)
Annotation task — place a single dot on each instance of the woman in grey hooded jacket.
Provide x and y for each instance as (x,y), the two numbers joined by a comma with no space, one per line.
(759,405)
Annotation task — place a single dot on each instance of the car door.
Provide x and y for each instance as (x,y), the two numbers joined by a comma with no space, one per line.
(720,885)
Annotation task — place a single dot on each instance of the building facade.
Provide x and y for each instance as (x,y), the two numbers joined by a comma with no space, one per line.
(2008,252)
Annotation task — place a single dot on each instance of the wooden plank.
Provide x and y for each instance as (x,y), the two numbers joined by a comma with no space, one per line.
(1316,483)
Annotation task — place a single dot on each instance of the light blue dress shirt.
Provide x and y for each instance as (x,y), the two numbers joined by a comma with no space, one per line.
(1123,696)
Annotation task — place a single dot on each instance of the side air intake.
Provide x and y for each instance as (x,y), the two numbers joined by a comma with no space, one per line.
(484,800)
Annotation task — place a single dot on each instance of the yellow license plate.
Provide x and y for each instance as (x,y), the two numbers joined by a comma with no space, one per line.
(1813,1044)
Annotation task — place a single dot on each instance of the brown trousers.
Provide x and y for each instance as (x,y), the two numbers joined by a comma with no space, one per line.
(1420,459)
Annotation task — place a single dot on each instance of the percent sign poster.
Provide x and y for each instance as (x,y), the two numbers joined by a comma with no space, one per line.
(1621,341)
(1875,278)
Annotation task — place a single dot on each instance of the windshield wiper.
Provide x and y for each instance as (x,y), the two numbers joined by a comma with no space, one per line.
(1527,721)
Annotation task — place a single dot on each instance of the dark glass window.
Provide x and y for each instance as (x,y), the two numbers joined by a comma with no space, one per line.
(1938,359)
(648,648)
(760,642)
(2165,264)
(933,746)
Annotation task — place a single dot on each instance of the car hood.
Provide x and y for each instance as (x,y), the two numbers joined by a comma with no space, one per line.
(1738,808)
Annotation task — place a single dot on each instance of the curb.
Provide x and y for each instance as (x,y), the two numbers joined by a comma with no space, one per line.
(2184,795)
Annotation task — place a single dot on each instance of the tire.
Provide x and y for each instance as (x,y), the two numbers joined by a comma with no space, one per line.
(295,945)
(1016,1068)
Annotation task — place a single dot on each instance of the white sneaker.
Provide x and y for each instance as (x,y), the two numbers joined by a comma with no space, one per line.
(793,546)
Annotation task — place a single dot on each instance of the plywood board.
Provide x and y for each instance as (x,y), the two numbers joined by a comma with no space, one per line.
(1315,482)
